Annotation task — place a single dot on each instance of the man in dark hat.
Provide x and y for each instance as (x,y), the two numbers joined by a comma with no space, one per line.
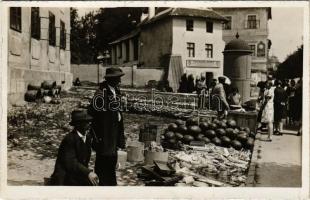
(74,153)
(108,126)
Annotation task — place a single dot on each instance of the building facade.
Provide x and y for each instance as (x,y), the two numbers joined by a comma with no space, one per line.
(252,26)
(38,49)
(188,39)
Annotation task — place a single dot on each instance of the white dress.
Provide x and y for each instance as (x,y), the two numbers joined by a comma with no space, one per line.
(268,112)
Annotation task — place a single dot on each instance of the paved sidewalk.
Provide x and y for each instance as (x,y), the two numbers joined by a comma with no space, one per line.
(278,163)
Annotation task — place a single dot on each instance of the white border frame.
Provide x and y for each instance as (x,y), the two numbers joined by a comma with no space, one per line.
(31,192)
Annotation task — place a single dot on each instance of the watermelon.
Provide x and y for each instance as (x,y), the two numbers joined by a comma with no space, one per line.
(194,130)
(216,141)
(210,134)
(212,126)
(206,140)
(182,129)
(179,122)
(249,143)
(242,137)
(204,125)
(179,136)
(216,121)
(200,136)
(192,121)
(226,141)
(172,127)
(231,123)
(169,135)
(222,124)
(188,138)
(236,144)
(247,129)
(220,132)
(172,141)
(230,132)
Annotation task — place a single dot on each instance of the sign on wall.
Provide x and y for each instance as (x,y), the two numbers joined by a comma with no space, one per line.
(203,63)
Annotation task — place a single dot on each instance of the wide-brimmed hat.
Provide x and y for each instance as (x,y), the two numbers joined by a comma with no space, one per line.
(113,72)
(78,116)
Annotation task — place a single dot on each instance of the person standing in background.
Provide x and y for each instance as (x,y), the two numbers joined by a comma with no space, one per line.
(280,99)
(268,111)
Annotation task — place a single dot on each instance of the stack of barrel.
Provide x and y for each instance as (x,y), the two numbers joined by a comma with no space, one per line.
(47,90)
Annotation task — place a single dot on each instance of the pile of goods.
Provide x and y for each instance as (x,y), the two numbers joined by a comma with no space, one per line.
(223,133)
(215,166)
(47,92)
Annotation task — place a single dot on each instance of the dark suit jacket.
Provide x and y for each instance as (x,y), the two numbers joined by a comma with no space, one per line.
(71,166)
(108,130)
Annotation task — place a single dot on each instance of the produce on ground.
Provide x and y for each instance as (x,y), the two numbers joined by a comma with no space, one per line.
(223,133)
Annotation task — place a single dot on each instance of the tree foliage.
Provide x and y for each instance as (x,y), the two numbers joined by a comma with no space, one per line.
(92,33)
(292,67)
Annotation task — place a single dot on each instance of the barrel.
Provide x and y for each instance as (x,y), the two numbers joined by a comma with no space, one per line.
(135,151)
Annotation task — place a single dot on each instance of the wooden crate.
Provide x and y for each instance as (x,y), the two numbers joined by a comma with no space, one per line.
(150,132)
(244,119)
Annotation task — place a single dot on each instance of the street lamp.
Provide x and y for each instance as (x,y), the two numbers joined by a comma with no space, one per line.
(100,58)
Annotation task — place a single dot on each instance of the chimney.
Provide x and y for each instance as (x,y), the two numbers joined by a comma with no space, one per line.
(151,12)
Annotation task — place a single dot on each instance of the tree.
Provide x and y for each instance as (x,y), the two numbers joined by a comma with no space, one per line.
(92,33)
(292,67)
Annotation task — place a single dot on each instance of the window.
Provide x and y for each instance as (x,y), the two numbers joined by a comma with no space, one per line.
(120,50)
(227,25)
(261,49)
(62,35)
(16,18)
(253,48)
(127,50)
(209,26)
(35,23)
(191,49)
(252,23)
(52,30)
(189,25)
(209,50)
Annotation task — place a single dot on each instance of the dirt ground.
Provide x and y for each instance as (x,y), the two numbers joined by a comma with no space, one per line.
(36,130)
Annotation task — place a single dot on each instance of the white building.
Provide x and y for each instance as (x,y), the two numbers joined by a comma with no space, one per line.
(171,42)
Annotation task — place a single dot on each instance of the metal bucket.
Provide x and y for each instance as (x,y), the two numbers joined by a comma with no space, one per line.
(135,152)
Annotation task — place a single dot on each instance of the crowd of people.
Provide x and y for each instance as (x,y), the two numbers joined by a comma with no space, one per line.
(227,97)
(280,102)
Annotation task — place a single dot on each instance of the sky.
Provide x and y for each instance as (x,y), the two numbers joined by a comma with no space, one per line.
(285,29)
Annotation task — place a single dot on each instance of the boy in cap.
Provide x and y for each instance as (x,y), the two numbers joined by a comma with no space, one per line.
(74,153)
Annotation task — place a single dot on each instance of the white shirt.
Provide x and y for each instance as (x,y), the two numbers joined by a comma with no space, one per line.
(114,95)
(82,136)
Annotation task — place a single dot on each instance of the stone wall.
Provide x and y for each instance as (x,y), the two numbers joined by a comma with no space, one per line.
(134,77)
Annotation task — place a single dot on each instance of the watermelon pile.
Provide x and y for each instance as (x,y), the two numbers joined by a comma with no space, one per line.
(223,133)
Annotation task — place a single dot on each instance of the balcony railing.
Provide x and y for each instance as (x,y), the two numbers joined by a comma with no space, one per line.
(252,24)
